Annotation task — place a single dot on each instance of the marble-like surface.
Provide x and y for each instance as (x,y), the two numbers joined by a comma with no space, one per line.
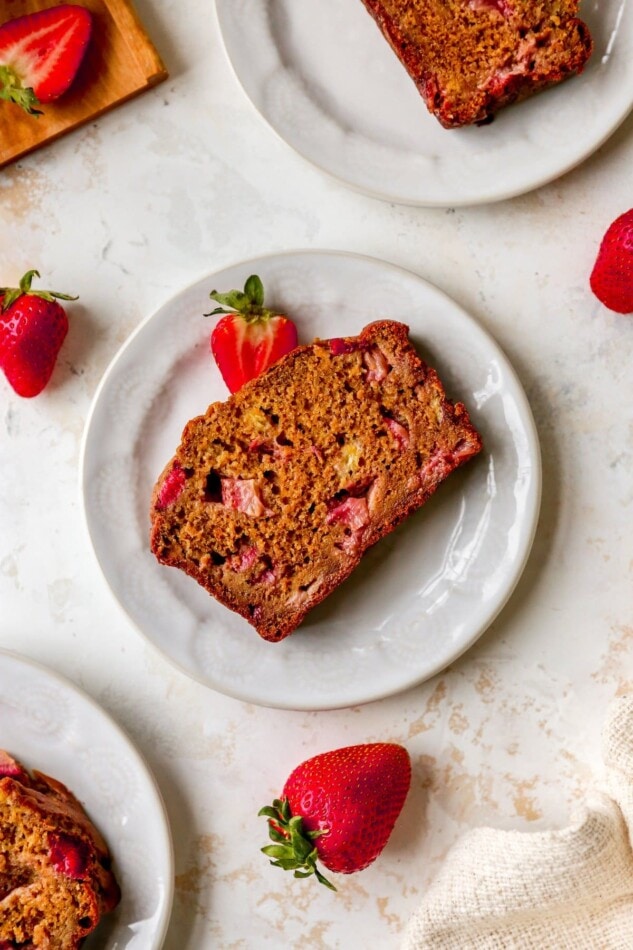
(183,181)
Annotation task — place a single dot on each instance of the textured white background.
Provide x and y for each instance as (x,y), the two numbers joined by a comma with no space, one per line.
(183,181)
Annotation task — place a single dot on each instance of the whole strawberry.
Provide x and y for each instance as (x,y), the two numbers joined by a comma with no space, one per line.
(612,275)
(339,807)
(32,329)
(249,338)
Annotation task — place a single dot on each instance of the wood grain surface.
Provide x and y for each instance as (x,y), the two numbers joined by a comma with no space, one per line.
(120,63)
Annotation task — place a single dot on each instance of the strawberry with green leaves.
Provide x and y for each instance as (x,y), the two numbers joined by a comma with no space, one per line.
(33,327)
(249,338)
(338,807)
(612,275)
(40,54)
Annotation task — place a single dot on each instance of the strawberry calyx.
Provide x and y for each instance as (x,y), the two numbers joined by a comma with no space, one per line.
(293,848)
(9,295)
(12,90)
(249,303)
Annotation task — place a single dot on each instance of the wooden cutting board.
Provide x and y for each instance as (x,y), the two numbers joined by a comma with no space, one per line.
(120,63)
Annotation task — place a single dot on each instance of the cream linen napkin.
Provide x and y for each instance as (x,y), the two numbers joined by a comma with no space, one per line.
(556,890)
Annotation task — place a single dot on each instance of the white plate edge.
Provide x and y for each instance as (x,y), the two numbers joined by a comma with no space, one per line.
(533,496)
(474,202)
(135,754)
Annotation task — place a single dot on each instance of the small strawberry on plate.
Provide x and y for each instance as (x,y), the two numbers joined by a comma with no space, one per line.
(249,338)
(612,275)
(32,329)
(339,807)
(40,54)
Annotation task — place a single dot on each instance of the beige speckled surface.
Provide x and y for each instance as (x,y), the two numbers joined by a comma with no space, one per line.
(186,180)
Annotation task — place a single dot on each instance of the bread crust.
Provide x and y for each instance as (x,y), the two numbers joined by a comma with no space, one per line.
(338,511)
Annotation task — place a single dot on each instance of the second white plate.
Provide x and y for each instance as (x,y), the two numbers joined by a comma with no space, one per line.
(50,725)
(420,597)
(324,78)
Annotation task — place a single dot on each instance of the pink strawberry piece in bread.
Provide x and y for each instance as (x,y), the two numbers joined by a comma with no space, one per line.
(339,345)
(10,768)
(244,559)
(243,494)
(172,487)
(398,431)
(377,365)
(353,513)
(69,855)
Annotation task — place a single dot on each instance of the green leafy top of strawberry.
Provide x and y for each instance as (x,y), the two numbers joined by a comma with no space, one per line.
(248,302)
(9,295)
(12,90)
(293,848)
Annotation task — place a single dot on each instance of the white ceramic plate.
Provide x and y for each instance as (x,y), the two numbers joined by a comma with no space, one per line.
(324,78)
(420,597)
(50,725)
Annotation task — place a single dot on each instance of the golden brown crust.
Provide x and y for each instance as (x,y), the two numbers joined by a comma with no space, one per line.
(274,496)
(469,58)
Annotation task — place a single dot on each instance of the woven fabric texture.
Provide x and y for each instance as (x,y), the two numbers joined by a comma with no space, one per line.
(570,889)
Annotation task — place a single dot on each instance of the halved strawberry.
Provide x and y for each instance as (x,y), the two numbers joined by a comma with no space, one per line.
(249,338)
(40,54)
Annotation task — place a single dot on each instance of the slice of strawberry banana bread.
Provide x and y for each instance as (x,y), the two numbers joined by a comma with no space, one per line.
(55,876)
(274,495)
(468,58)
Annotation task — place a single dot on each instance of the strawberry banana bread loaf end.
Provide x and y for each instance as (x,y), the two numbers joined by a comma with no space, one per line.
(274,495)
(55,877)
(468,58)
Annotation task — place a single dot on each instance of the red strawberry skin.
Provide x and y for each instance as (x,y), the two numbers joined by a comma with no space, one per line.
(612,275)
(32,331)
(244,350)
(354,796)
(249,337)
(45,49)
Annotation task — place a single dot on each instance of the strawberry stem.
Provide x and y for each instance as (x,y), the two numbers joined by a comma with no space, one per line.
(11,294)
(293,848)
(12,90)
(248,302)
